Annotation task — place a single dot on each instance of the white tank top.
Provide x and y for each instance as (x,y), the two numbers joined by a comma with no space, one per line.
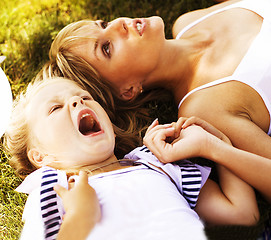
(255,67)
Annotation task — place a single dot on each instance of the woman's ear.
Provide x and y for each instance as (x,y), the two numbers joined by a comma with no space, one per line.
(35,157)
(128,94)
(131,92)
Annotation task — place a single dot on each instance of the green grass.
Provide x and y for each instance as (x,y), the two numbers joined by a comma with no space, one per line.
(11,202)
(27,30)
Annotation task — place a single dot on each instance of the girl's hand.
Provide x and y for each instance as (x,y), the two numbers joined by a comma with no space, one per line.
(80,200)
(82,209)
(188,137)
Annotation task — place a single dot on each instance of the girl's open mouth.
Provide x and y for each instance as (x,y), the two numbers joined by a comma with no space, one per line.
(88,123)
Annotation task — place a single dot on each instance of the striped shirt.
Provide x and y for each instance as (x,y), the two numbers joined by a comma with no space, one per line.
(48,203)
(188,179)
(189,182)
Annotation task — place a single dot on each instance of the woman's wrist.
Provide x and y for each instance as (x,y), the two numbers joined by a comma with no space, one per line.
(219,151)
(215,149)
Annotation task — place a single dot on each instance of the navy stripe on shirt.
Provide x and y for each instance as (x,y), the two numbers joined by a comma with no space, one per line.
(48,200)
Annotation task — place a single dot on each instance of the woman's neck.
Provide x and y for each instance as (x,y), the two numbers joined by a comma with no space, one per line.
(178,65)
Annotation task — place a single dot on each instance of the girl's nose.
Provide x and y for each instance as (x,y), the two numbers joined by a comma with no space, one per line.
(76,101)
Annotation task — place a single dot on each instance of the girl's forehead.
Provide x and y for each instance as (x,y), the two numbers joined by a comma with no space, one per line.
(55,91)
(52,83)
(56,87)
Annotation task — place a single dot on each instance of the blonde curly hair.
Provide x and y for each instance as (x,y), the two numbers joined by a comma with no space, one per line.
(18,137)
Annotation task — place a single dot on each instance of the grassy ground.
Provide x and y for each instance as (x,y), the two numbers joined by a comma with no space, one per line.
(27,30)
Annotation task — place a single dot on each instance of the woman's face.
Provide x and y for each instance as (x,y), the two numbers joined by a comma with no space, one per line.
(124,51)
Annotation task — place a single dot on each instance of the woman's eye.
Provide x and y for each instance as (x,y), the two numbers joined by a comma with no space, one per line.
(104,24)
(106,49)
(54,108)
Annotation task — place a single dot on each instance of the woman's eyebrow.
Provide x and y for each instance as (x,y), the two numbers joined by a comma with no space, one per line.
(97,23)
(95,49)
(96,43)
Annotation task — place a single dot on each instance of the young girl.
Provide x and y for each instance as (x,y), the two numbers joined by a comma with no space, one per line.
(65,130)
(217,68)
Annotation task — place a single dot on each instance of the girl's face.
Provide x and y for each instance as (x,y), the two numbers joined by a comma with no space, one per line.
(70,129)
(124,51)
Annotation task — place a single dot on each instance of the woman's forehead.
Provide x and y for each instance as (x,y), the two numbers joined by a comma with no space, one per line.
(90,29)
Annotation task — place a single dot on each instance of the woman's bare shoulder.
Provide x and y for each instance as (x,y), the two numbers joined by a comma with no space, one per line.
(226,98)
(189,17)
(185,19)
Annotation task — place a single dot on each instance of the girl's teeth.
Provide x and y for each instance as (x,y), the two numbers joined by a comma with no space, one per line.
(85,115)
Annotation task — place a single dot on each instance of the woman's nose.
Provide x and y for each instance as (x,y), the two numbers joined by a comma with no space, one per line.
(76,101)
(119,25)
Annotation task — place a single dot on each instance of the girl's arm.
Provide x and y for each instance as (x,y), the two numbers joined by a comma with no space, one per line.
(234,201)
(82,210)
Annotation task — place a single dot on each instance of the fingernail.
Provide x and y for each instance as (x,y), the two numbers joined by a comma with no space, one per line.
(71,179)
(154,121)
(169,129)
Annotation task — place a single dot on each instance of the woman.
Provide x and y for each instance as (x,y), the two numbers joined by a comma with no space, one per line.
(228,41)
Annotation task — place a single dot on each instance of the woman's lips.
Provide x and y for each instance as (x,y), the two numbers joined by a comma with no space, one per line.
(139,25)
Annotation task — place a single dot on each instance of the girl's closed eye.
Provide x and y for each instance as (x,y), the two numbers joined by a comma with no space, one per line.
(106,49)
(54,108)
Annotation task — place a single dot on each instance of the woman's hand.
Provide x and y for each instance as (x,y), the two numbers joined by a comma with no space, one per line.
(82,209)
(186,122)
(188,137)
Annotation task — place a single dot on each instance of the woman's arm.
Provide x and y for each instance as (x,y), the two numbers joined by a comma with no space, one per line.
(234,201)
(250,158)
(252,168)
(187,138)
(82,210)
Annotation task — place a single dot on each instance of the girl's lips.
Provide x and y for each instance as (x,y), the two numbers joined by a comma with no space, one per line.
(139,25)
(88,124)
